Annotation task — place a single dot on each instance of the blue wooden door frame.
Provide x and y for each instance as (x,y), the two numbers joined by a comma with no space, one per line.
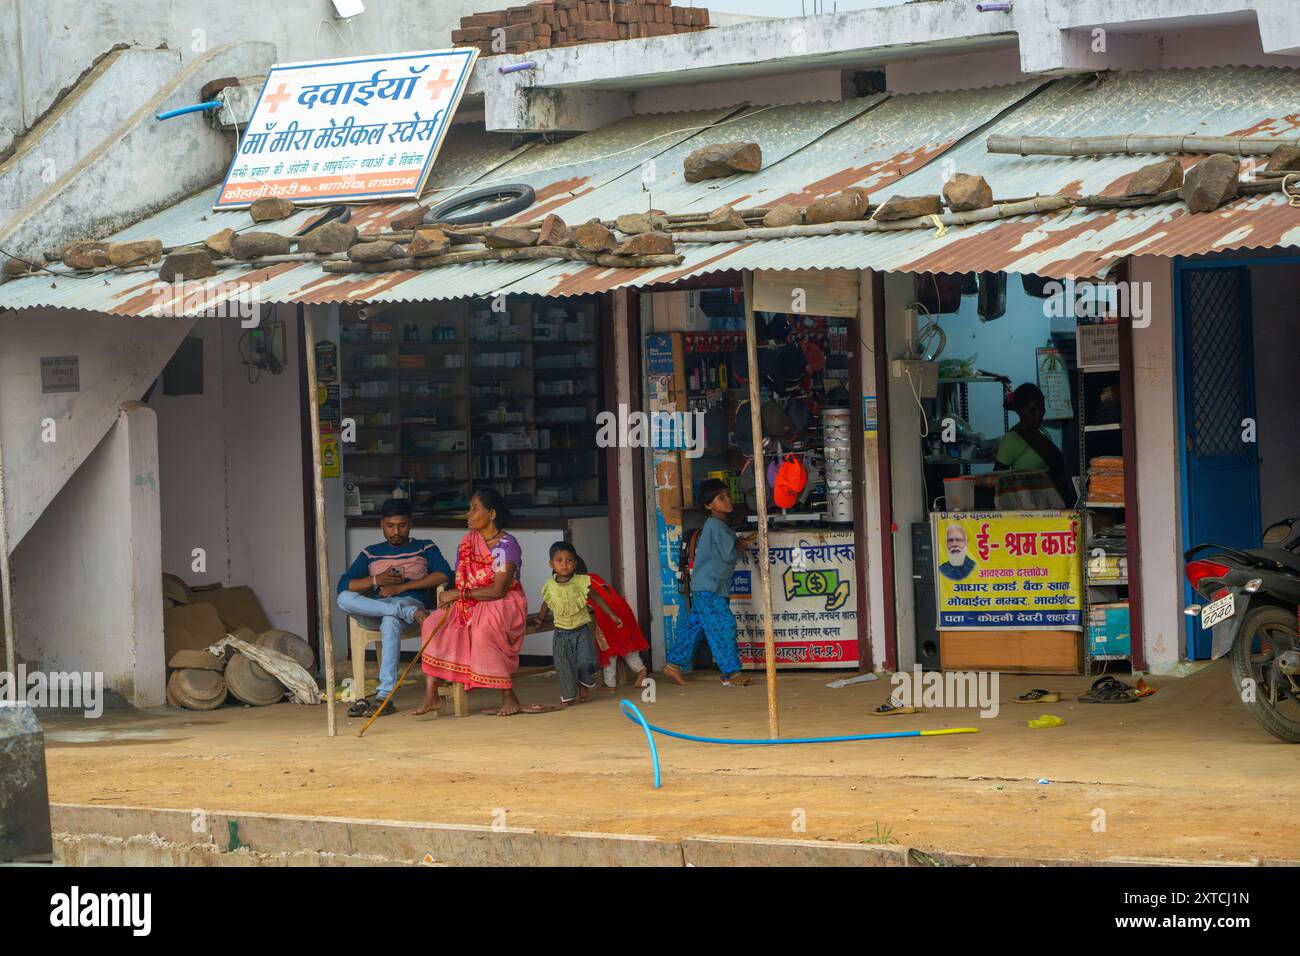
(1181,266)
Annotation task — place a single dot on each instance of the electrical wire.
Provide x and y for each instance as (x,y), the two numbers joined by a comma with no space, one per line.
(925,419)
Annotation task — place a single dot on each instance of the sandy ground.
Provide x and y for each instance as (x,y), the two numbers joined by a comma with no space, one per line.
(1183,774)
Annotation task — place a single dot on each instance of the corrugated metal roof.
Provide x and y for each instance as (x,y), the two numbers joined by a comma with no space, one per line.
(1228,101)
(904,144)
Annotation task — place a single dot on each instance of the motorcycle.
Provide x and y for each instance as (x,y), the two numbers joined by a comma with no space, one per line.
(1254,599)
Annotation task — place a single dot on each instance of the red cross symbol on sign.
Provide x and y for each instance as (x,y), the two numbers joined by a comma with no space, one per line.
(276,98)
(436,87)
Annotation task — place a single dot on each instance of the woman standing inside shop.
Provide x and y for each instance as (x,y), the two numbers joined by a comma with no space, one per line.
(479,646)
(1027,446)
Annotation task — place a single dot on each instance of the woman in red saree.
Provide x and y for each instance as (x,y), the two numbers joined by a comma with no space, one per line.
(479,646)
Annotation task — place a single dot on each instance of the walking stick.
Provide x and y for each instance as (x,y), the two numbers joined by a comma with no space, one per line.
(378,710)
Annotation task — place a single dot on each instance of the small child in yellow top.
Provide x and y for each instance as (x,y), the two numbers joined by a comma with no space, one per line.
(564,600)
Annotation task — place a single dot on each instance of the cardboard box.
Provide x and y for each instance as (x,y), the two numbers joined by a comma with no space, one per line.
(191,627)
(236,607)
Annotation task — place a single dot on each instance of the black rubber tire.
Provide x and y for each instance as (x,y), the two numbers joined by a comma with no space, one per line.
(1267,616)
(519,196)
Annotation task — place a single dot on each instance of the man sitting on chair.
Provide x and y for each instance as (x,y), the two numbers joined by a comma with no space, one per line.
(387,587)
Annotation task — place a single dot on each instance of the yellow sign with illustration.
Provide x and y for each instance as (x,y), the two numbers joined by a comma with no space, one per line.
(1008,570)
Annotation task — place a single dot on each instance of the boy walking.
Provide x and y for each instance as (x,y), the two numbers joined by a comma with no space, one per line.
(710,617)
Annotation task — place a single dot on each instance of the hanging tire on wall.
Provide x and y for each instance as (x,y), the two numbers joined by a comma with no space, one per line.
(506,201)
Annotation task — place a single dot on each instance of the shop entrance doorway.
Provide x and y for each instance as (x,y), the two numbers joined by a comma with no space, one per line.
(1220,450)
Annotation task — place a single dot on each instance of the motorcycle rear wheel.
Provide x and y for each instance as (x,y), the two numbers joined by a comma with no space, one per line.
(1275,629)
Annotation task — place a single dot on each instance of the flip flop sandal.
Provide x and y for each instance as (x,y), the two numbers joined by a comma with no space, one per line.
(1143,688)
(1107,680)
(735,680)
(1047,720)
(1116,693)
(360,708)
(1038,696)
(888,708)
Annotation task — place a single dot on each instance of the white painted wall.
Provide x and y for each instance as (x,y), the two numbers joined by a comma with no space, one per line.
(231,463)
(1155,416)
(87,580)
(47,44)
(880,592)
(1275,296)
(905,421)
(102,101)
(192,466)
(119,358)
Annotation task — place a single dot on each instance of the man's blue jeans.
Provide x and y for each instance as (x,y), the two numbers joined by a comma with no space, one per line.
(389,616)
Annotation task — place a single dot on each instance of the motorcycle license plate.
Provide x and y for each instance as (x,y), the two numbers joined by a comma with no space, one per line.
(1217,611)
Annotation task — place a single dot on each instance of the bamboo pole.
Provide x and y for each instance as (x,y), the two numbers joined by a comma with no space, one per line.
(760,490)
(227,263)
(675,220)
(507,255)
(7,592)
(322,556)
(1133,144)
(1244,188)
(993,213)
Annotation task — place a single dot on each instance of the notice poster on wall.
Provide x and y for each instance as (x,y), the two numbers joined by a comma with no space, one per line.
(1054,380)
(814,607)
(1008,570)
(350,129)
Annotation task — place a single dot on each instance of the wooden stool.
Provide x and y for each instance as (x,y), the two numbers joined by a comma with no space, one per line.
(453,697)
(359,639)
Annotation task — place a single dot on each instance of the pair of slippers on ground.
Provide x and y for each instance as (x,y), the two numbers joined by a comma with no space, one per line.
(1104,690)
(365,706)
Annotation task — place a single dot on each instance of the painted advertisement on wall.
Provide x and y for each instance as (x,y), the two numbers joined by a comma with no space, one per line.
(814,609)
(1008,570)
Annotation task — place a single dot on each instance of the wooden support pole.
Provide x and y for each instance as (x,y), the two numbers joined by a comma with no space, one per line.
(760,490)
(7,592)
(1133,144)
(322,555)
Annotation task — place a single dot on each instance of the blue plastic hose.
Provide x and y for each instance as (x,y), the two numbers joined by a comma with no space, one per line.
(194,108)
(634,715)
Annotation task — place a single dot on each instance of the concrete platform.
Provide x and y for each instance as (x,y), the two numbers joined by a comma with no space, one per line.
(1183,776)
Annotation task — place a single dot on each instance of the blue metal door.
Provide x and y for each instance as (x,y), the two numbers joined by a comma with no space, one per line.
(1221,455)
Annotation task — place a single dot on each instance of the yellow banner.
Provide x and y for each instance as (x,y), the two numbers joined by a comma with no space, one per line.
(1008,570)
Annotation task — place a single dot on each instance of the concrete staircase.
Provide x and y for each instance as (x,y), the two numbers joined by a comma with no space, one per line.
(108,175)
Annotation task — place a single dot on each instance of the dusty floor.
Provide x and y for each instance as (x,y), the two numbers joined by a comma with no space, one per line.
(1185,773)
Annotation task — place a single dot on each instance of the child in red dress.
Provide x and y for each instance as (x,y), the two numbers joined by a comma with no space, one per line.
(614,642)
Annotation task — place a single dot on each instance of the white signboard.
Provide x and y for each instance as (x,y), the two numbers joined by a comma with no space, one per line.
(347,130)
(814,608)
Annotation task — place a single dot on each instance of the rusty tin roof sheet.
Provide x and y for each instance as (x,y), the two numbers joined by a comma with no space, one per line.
(905,144)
